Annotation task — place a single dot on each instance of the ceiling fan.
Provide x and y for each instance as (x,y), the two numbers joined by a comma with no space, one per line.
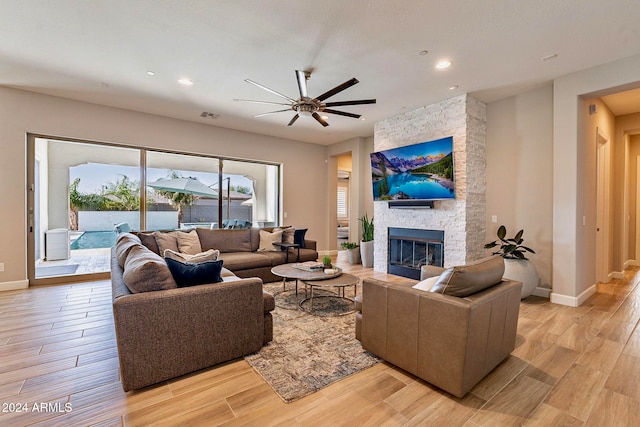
(305,106)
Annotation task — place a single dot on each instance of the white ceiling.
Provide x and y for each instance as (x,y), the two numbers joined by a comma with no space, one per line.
(99,51)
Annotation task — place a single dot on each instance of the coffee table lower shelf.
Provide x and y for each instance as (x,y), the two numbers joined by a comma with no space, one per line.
(339,283)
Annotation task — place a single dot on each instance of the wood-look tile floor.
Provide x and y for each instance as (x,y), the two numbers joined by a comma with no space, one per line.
(572,366)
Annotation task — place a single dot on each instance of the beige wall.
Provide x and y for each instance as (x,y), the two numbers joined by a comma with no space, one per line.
(519,172)
(627,147)
(304,169)
(573,247)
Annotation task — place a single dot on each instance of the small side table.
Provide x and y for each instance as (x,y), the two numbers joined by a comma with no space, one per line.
(286,247)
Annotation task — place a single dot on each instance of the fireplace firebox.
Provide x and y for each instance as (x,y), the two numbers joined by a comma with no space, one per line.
(410,249)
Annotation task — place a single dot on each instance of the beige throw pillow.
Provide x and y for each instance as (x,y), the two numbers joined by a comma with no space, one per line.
(268,239)
(166,241)
(287,235)
(210,255)
(426,284)
(189,243)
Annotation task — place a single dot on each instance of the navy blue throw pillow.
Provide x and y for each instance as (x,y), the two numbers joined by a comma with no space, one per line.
(189,274)
(298,237)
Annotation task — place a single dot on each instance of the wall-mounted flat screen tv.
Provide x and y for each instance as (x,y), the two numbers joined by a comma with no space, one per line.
(421,171)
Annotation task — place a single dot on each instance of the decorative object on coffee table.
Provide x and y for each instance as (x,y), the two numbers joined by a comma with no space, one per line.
(326,260)
(366,245)
(516,265)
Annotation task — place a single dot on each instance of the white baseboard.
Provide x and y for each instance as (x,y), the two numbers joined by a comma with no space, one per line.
(573,301)
(616,275)
(631,263)
(541,292)
(329,252)
(12,286)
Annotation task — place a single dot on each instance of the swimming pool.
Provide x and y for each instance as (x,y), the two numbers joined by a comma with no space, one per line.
(94,239)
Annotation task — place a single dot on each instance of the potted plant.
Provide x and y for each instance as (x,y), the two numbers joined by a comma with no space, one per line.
(516,264)
(326,261)
(366,245)
(353,253)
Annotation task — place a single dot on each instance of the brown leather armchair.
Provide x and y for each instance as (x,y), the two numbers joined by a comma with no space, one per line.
(451,342)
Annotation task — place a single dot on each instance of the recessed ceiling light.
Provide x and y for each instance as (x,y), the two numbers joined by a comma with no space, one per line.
(151,73)
(454,87)
(325,117)
(548,57)
(185,81)
(423,52)
(363,118)
(445,63)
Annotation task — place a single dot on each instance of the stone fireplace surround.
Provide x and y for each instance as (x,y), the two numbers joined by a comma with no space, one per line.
(463,219)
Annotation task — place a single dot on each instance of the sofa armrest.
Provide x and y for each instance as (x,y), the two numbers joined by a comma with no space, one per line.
(165,334)
(310,244)
(427,271)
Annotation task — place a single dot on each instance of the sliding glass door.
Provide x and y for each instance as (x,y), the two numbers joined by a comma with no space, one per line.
(82,194)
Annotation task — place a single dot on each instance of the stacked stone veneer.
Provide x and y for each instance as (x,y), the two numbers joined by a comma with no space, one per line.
(463,219)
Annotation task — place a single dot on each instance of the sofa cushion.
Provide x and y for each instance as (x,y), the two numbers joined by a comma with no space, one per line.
(145,271)
(298,237)
(189,274)
(210,255)
(225,240)
(267,239)
(462,281)
(149,240)
(124,243)
(244,260)
(189,243)
(166,241)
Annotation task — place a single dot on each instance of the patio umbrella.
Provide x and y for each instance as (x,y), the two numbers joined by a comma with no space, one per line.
(183,185)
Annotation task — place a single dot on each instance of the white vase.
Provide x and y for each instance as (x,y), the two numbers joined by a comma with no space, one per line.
(523,271)
(353,256)
(366,252)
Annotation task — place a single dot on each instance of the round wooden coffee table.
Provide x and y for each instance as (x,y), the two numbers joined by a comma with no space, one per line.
(339,282)
(287,271)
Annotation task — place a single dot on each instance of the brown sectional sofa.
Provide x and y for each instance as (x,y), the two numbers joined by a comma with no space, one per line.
(451,342)
(163,334)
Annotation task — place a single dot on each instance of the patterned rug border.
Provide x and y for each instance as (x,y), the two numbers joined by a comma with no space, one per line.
(309,351)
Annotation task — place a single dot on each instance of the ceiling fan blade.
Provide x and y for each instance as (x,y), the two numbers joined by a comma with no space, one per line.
(302,83)
(337,89)
(261,102)
(293,120)
(270,90)
(320,119)
(358,102)
(341,113)
(272,112)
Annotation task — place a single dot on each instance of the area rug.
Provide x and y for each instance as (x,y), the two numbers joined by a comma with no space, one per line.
(309,351)
(58,270)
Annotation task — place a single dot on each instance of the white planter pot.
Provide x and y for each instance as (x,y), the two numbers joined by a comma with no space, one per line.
(353,256)
(523,271)
(366,251)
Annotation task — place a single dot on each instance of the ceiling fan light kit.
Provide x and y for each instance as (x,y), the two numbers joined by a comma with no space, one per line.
(306,106)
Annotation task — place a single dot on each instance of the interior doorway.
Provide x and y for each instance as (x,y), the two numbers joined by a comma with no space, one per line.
(343,199)
(603,160)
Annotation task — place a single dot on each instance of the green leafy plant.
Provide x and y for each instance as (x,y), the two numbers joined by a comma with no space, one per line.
(326,260)
(349,245)
(509,248)
(367,228)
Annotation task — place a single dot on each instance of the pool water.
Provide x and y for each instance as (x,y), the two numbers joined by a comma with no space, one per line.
(94,239)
